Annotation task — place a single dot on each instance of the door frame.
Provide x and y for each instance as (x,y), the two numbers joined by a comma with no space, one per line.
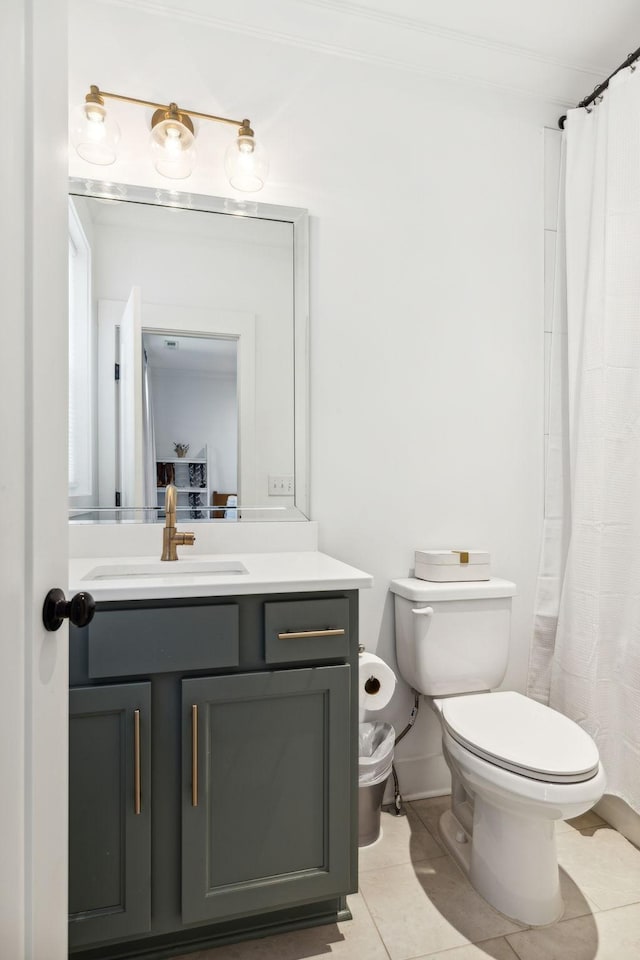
(33,418)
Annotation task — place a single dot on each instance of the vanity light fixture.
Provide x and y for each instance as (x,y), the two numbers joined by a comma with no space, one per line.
(94,134)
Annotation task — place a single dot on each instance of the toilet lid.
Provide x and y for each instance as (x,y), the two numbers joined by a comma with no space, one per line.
(521,735)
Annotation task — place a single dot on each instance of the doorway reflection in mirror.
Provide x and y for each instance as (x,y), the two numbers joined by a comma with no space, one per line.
(191,392)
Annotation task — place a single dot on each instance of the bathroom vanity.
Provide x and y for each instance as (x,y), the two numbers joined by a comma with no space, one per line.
(213,751)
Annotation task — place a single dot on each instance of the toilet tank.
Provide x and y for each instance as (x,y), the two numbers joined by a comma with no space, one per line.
(452,637)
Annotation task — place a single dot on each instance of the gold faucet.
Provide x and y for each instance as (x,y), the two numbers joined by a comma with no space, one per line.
(170,536)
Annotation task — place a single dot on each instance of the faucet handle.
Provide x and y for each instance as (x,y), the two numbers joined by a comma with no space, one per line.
(185,539)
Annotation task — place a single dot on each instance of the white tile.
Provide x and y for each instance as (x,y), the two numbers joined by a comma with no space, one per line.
(403,840)
(428,906)
(494,949)
(611,935)
(430,810)
(576,903)
(552,149)
(604,865)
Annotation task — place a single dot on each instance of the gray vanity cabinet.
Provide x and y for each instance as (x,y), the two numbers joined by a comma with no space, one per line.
(109,812)
(265,790)
(245,776)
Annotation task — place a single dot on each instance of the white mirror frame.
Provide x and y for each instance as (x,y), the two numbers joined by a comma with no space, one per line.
(299,219)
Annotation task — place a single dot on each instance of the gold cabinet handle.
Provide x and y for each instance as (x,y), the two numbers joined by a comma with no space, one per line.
(137,794)
(302,634)
(194,755)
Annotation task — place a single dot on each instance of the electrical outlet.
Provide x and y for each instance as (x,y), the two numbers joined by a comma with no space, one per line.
(281,486)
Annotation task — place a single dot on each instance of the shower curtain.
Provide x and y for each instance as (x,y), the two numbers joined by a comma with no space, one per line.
(585,658)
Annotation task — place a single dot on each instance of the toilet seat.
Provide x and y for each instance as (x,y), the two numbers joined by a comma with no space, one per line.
(521,735)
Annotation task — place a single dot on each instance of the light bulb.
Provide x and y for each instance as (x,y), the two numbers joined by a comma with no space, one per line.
(94,133)
(172,146)
(245,162)
(95,112)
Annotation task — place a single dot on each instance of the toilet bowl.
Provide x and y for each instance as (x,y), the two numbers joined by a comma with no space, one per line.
(521,766)
(516,765)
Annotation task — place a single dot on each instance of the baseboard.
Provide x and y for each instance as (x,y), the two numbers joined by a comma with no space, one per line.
(621,817)
(420,777)
(426,796)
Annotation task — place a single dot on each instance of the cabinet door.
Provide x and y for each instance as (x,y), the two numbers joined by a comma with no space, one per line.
(109,812)
(266,791)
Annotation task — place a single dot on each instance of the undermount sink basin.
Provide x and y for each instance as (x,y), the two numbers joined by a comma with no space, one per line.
(160,568)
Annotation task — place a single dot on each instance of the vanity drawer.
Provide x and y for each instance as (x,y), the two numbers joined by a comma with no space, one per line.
(306,630)
(129,642)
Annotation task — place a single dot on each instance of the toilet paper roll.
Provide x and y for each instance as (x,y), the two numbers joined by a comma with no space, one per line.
(377,681)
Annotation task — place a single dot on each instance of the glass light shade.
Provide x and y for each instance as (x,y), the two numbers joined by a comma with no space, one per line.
(94,133)
(172,149)
(246,164)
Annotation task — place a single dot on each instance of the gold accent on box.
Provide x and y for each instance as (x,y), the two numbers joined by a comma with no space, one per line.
(464,555)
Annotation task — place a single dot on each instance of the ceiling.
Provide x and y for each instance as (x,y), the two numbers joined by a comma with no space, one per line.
(597,34)
(553,50)
(212,356)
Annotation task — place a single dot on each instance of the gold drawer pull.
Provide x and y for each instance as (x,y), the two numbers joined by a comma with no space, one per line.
(304,634)
(194,755)
(137,795)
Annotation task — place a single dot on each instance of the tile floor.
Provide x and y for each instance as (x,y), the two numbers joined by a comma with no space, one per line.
(414,903)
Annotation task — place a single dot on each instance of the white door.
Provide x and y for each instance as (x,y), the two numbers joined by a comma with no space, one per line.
(33,482)
(120,430)
(130,402)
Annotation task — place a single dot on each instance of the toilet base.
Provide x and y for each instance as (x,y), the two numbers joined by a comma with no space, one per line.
(510,860)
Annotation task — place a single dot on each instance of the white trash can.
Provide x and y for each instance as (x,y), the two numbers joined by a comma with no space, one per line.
(375,756)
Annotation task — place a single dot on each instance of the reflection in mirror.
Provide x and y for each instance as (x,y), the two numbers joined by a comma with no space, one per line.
(190,423)
(187,357)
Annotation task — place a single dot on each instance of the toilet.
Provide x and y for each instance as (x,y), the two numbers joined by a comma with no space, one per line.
(516,765)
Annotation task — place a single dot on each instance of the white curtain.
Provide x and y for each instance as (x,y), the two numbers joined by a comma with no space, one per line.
(586,651)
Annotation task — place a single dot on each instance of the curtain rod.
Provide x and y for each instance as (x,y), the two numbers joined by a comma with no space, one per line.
(602,86)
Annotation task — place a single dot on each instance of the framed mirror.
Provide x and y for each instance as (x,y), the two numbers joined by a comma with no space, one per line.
(188,356)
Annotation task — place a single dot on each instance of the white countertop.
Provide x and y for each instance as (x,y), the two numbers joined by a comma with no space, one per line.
(266,573)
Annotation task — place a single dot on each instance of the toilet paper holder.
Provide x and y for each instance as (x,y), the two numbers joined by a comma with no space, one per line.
(372,685)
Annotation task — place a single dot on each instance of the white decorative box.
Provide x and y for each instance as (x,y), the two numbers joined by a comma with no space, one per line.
(452,565)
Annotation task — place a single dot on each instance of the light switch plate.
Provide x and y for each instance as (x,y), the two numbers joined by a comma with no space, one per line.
(281,486)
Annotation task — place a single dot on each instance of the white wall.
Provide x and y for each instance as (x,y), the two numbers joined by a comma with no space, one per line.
(427,334)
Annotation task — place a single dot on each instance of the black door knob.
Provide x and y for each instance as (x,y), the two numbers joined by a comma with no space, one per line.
(80,609)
